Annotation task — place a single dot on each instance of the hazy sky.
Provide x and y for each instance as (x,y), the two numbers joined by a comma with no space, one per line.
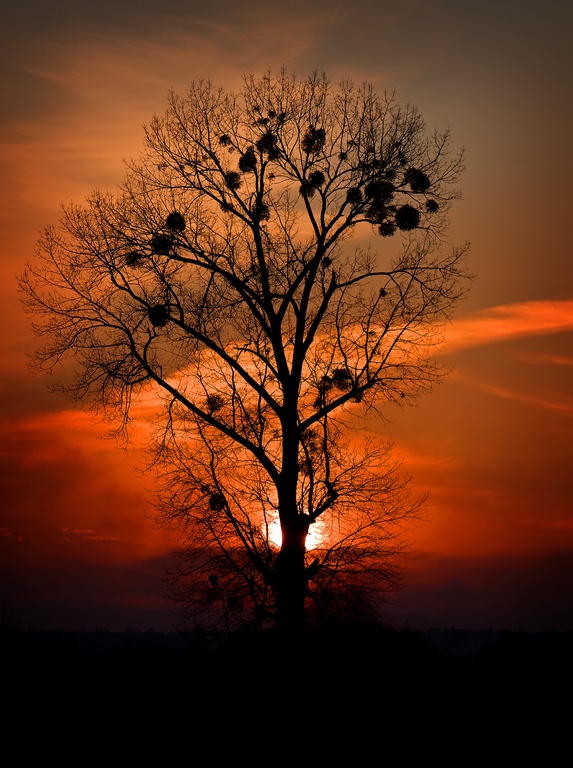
(493,444)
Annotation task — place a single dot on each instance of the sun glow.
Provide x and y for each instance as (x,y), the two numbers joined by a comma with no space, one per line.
(316,534)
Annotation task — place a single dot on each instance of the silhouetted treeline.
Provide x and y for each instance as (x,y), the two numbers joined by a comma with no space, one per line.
(377,648)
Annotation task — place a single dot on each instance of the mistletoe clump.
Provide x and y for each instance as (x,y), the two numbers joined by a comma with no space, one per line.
(313,140)
(175,222)
(267,144)
(407,218)
(161,243)
(158,315)
(248,161)
(417,180)
(233,180)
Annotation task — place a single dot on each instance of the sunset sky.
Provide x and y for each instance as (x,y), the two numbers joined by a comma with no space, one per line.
(492,444)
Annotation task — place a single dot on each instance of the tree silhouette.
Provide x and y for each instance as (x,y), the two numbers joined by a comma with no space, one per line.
(222,274)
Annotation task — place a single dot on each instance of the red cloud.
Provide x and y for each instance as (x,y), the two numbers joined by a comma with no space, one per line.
(509,321)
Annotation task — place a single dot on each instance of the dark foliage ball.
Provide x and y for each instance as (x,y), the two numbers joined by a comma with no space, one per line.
(311,441)
(382,191)
(307,189)
(417,180)
(313,140)
(407,218)
(161,243)
(387,229)
(133,258)
(317,178)
(158,315)
(214,403)
(354,196)
(233,180)
(378,213)
(341,378)
(432,206)
(175,222)
(216,501)
(267,144)
(248,161)
(225,140)
(371,189)
(261,212)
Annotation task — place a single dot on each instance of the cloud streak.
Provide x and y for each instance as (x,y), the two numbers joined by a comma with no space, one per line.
(521,397)
(507,322)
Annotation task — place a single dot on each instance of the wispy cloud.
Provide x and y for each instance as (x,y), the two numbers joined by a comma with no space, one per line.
(522,397)
(561,360)
(510,321)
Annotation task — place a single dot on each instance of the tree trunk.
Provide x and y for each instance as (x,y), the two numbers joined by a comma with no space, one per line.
(290,577)
(290,581)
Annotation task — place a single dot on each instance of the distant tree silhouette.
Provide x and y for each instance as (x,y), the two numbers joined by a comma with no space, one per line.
(222,275)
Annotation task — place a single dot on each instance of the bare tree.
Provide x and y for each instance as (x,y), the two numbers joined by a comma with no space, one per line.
(222,274)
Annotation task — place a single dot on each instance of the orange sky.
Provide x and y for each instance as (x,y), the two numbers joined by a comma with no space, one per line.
(492,444)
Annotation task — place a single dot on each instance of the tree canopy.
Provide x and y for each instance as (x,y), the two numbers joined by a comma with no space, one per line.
(237,271)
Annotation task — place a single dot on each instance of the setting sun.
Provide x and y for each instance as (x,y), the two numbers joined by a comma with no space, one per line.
(316,535)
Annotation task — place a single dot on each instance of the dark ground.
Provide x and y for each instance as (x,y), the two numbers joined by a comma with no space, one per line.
(338,689)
